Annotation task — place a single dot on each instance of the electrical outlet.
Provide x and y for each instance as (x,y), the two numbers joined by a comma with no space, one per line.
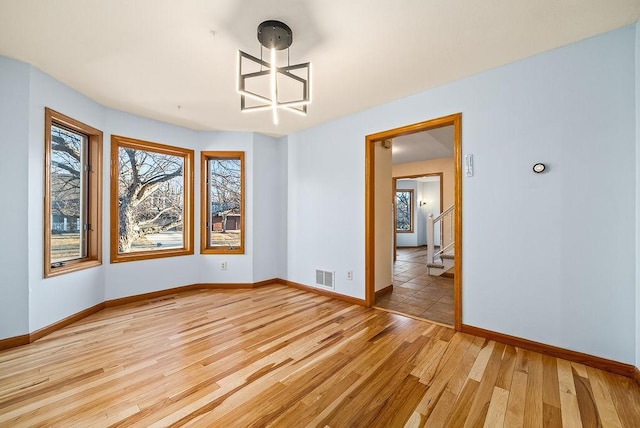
(349,275)
(223,266)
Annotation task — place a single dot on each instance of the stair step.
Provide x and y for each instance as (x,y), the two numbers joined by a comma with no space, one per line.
(442,262)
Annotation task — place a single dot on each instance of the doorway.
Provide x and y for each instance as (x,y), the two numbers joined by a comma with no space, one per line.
(378,240)
(416,291)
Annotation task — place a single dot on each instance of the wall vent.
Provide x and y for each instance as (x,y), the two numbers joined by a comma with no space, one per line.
(325,278)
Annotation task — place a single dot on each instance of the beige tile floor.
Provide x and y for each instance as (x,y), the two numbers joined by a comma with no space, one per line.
(417,293)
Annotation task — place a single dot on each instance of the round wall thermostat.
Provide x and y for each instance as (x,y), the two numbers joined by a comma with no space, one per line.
(539,167)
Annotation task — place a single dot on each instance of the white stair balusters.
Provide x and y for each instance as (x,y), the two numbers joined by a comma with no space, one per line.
(442,260)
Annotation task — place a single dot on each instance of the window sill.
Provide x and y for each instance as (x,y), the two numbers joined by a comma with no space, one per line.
(221,251)
(71,266)
(146,255)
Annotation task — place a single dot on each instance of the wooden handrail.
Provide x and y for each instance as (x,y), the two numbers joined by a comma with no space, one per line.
(443,213)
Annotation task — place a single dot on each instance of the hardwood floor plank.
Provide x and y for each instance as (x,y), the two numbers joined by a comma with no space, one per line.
(445,367)
(533,410)
(382,384)
(441,411)
(497,408)
(580,369)
(552,417)
(603,400)
(54,398)
(588,410)
(550,384)
(346,395)
(481,362)
(480,404)
(328,394)
(516,403)
(505,375)
(626,397)
(570,410)
(278,402)
(460,410)
(398,407)
(565,377)
(278,356)
(461,374)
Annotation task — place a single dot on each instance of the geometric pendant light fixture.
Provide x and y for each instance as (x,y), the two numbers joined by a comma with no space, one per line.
(263,85)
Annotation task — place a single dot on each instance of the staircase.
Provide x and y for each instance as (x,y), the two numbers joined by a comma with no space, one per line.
(438,262)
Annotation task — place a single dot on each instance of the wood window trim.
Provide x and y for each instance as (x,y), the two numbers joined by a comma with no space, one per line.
(204,202)
(94,201)
(411,214)
(188,192)
(440,176)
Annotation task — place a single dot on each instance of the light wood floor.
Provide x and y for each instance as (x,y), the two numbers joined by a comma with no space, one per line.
(284,357)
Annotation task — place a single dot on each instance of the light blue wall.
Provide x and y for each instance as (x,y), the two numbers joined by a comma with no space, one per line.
(14,129)
(268,208)
(542,258)
(239,267)
(637,194)
(283,191)
(57,297)
(127,279)
(325,204)
(28,301)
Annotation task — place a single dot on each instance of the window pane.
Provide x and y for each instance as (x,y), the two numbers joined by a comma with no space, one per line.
(150,200)
(403,210)
(68,195)
(225,201)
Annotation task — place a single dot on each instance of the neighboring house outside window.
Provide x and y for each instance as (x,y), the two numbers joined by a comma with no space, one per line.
(222,213)
(73,195)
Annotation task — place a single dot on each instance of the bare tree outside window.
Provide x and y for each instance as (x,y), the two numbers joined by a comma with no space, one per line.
(150,187)
(223,202)
(151,207)
(72,214)
(404,211)
(68,195)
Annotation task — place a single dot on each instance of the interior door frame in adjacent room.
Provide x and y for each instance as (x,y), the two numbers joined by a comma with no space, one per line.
(454,120)
(393,202)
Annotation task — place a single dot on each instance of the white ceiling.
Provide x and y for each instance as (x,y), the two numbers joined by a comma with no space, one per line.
(149,57)
(433,144)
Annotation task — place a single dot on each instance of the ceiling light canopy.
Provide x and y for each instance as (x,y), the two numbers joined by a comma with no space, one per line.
(265,86)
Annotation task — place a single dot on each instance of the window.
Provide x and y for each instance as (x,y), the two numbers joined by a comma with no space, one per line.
(72,195)
(404,211)
(222,229)
(151,200)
